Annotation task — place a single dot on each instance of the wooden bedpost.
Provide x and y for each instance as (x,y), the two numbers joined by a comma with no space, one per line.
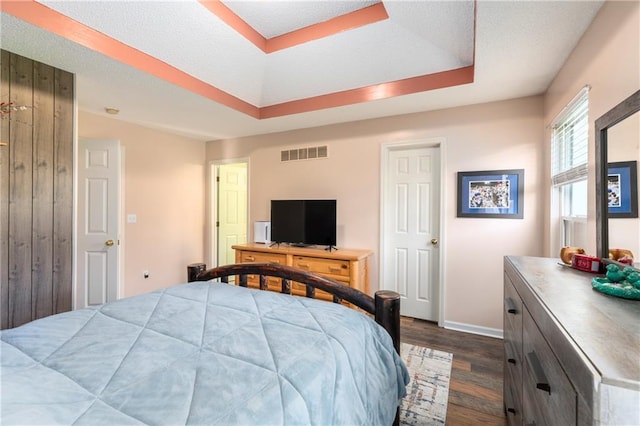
(193,270)
(387,304)
(387,314)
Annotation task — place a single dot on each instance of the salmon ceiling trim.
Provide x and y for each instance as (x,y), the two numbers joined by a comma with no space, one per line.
(50,20)
(391,89)
(348,21)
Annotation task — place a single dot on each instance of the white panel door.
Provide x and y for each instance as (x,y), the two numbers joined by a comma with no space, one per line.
(232,210)
(98,213)
(410,226)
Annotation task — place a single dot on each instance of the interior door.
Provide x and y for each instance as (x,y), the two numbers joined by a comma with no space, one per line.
(98,224)
(411,229)
(232,209)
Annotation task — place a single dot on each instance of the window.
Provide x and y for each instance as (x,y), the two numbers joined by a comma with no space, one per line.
(569,145)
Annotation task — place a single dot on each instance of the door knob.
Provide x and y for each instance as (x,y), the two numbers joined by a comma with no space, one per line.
(109,243)
(434,241)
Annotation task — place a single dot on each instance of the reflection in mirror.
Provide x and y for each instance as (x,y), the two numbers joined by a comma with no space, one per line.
(624,137)
(623,144)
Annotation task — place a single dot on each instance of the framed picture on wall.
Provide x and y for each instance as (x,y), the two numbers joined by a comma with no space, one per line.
(622,189)
(491,194)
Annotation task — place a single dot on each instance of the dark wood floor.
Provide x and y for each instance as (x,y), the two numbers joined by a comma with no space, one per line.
(475,389)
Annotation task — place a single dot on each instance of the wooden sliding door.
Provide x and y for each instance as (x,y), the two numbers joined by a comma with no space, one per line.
(36,190)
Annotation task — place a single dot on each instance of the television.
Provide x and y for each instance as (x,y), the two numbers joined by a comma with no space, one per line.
(304,222)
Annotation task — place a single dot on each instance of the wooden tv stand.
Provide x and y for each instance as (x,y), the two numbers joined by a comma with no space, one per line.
(348,266)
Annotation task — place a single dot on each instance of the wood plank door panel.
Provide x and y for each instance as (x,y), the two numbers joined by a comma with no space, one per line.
(20,193)
(43,189)
(36,191)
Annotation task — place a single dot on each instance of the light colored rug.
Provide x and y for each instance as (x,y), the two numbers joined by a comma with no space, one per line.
(428,391)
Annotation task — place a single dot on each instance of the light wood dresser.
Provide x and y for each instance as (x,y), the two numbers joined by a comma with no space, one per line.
(347,266)
(572,354)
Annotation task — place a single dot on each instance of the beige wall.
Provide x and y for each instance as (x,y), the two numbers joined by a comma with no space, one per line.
(500,135)
(607,58)
(164,182)
(511,134)
(165,177)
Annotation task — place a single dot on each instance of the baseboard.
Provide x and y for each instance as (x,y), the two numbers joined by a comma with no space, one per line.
(474,329)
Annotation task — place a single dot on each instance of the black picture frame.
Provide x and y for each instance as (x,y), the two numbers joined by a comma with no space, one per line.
(622,189)
(491,194)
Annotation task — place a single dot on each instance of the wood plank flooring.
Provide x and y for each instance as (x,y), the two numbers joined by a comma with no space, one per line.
(475,389)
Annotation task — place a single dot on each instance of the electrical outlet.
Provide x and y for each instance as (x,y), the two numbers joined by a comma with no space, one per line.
(146,274)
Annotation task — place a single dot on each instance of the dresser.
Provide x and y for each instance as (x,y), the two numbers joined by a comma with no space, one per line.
(348,266)
(572,354)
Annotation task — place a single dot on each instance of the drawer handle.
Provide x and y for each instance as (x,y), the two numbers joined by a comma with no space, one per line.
(250,258)
(509,350)
(541,379)
(511,308)
(303,265)
(334,269)
(511,410)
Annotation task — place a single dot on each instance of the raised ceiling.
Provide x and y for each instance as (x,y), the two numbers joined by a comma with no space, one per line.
(222,69)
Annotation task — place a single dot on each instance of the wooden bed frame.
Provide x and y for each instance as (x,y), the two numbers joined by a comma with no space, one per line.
(384,306)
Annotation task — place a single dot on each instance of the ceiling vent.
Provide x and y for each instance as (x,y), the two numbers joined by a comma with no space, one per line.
(307,153)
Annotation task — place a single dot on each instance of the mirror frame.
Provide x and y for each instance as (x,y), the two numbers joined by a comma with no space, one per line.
(624,109)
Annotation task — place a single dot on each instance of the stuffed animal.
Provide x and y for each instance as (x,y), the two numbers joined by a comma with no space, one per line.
(614,274)
(566,253)
(621,255)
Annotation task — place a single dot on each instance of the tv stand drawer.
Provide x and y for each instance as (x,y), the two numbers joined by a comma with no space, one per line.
(322,266)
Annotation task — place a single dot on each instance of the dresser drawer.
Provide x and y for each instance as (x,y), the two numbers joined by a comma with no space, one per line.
(322,266)
(273,283)
(512,403)
(513,309)
(253,281)
(300,290)
(260,257)
(512,315)
(548,393)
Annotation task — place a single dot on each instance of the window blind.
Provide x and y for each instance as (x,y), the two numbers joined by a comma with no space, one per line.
(569,141)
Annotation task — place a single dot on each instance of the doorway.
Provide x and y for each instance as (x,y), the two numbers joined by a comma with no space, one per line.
(229,209)
(98,228)
(410,255)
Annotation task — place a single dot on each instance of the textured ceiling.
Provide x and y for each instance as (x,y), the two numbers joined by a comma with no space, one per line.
(274,18)
(185,67)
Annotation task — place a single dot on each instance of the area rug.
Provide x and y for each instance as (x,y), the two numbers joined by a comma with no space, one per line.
(428,391)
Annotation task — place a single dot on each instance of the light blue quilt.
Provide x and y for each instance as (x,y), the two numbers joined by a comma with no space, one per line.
(202,353)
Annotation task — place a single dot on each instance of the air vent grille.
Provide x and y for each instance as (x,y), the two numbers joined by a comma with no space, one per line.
(306,153)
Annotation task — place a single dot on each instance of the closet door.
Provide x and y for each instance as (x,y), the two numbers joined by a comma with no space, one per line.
(36,193)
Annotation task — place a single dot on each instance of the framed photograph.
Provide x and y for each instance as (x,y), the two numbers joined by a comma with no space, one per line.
(493,194)
(622,189)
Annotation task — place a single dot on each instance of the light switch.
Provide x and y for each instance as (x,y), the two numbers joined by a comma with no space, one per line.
(132,218)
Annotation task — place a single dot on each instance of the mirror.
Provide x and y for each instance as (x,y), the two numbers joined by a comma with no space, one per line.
(617,139)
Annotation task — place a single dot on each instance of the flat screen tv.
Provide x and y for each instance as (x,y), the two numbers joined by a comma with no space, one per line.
(304,222)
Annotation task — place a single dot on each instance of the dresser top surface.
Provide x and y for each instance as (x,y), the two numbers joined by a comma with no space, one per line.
(339,253)
(606,329)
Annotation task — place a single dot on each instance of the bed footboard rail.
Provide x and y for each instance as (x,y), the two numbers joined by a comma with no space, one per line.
(384,306)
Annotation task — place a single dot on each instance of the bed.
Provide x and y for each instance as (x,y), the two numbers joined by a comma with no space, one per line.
(208,352)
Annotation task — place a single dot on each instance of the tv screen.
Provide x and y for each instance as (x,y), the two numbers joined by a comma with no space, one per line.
(303,222)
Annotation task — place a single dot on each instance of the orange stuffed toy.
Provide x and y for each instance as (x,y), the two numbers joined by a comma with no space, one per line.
(566,253)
